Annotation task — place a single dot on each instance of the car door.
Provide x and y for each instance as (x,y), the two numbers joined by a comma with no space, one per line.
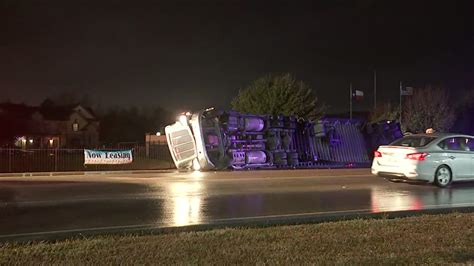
(470,146)
(457,156)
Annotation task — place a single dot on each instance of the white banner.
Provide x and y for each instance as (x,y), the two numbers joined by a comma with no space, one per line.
(107,157)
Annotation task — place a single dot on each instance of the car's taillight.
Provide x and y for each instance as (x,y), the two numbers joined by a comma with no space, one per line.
(419,156)
(377,154)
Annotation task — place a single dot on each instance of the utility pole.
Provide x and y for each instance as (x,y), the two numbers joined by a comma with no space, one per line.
(350,101)
(375,90)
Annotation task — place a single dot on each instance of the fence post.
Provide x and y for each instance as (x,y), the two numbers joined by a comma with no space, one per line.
(9,160)
(56,159)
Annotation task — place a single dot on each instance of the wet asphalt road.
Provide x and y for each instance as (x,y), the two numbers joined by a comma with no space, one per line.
(33,207)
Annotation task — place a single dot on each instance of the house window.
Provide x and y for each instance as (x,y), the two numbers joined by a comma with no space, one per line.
(75,126)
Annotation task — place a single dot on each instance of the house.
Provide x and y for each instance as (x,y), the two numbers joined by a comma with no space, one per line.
(48,126)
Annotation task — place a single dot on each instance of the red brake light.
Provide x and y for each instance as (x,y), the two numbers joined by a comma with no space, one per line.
(377,154)
(419,156)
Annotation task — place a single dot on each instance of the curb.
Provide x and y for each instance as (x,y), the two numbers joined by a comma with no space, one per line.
(30,174)
(169,170)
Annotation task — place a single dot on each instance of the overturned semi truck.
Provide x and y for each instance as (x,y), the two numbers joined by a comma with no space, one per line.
(216,140)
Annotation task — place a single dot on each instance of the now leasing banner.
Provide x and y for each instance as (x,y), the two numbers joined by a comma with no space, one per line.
(107,157)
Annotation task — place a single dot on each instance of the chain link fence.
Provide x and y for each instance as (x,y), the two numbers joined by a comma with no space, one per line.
(145,157)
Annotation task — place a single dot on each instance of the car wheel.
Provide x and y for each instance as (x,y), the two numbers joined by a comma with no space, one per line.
(443,176)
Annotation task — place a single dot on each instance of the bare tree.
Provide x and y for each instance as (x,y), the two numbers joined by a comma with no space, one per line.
(384,112)
(428,108)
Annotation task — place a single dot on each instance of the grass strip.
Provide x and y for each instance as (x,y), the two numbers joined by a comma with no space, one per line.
(430,239)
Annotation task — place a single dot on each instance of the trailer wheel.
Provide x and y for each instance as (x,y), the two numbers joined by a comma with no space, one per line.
(280,159)
(292,158)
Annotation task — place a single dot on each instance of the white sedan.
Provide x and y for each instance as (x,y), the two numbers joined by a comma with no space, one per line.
(434,158)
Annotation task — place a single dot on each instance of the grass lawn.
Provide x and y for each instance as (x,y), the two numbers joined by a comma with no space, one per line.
(438,239)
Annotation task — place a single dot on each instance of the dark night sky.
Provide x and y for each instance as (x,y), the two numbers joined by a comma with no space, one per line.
(195,54)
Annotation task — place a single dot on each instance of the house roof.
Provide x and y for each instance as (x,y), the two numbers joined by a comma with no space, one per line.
(88,109)
(57,113)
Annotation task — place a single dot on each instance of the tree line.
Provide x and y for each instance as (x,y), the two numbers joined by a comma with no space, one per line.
(118,123)
(275,94)
(428,107)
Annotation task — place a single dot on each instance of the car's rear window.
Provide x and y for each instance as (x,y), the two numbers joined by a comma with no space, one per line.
(413,141)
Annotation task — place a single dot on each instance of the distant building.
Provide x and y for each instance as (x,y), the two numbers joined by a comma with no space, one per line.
(48,126)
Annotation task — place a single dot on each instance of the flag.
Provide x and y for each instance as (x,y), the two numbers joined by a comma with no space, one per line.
(406,91)
(358,95)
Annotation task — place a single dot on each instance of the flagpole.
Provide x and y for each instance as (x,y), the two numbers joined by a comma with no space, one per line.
(375,89)
(400,103)
(350,101)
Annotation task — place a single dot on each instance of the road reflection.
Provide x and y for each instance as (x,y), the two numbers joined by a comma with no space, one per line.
(384,199)
(183,202)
